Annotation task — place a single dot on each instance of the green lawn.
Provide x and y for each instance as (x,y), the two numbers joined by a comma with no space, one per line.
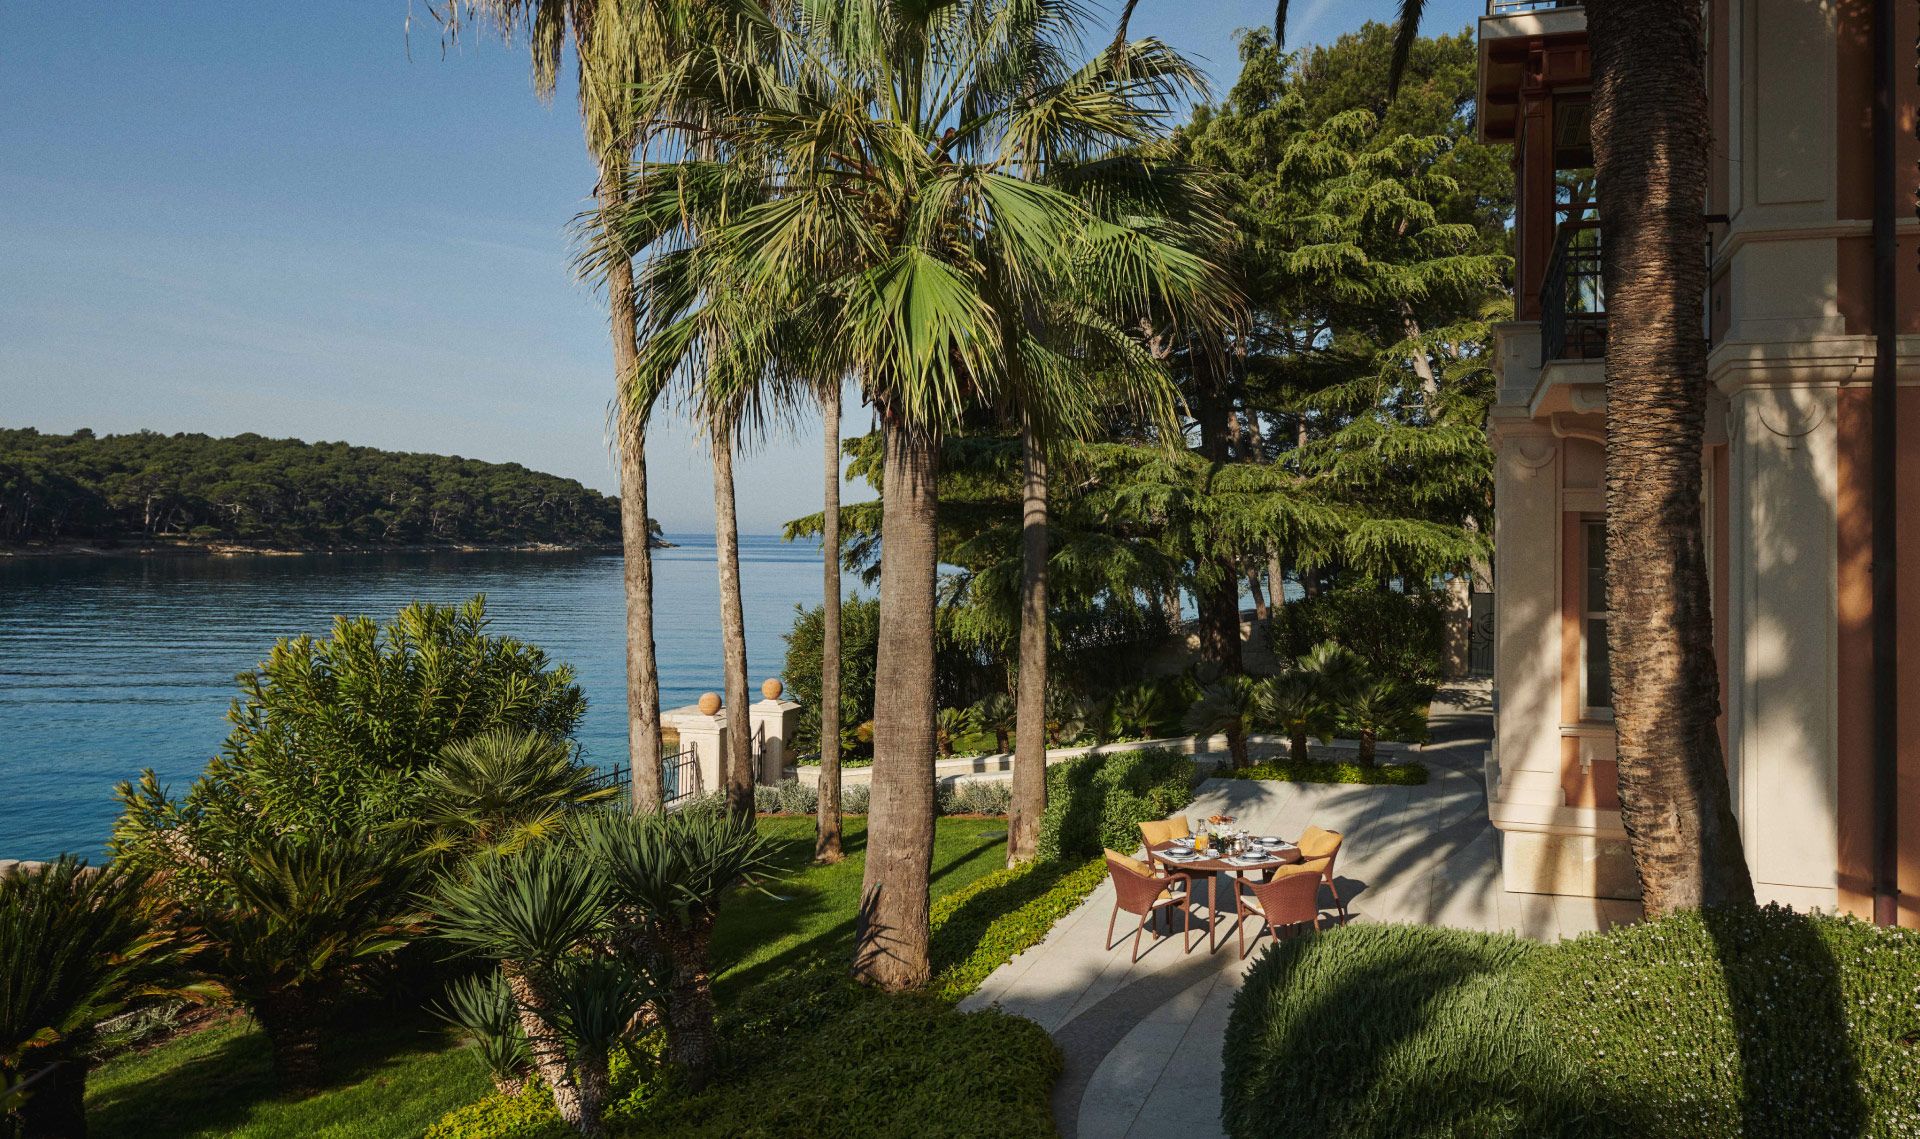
(403,1073)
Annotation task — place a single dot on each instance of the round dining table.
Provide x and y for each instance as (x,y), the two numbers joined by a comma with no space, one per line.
(1212,866)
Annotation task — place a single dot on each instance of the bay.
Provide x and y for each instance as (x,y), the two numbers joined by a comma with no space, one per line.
(111,665)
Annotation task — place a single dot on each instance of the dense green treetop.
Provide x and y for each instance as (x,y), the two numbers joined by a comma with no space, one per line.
(144,486)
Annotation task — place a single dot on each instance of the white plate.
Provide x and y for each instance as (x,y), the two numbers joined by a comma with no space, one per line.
(1274,840)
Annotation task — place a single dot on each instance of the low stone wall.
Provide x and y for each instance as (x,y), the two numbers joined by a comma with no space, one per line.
(1209,750)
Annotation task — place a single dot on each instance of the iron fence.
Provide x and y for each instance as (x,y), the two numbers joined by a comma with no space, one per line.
(679,777)
(1516,7)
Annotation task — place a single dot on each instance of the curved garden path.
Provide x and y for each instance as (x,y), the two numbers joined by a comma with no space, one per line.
(1142,1041)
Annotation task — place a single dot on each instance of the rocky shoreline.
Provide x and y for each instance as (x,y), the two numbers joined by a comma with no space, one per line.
(185,549)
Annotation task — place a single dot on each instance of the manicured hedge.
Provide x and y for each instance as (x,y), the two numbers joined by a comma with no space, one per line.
(1318,771)
(1099,800)
(1732,1023)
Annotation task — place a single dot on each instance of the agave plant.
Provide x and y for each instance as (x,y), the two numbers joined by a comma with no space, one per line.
(77,945)
(537,913)
(501,789)
(295,919)
(995,713)
(1293,702)
(668,873)
(1224,707)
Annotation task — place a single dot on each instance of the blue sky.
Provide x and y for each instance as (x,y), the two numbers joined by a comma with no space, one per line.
(297,219)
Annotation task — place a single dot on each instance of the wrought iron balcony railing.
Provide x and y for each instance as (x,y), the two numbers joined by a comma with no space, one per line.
(1573,302)
(1515,7)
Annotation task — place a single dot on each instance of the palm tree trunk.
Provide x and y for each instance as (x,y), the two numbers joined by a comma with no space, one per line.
(291,1018)
(636,538)
(690,1032)
(1030,700)
(548,1050)
(1367,738)
(738,775)
(1650,139)
(891,930)
(826,844)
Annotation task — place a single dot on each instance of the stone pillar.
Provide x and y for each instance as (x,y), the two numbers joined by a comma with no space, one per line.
(703,730)
(773,721)
(1459,635)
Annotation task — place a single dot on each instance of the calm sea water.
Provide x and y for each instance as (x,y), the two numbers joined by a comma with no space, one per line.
(109,665)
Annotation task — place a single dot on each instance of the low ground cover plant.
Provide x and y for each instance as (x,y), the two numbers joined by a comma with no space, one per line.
(1724,1023)
(1335,771)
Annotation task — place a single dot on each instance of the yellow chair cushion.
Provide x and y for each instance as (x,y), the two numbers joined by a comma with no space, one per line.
(1129,863)
(1317,843)
(1164,830)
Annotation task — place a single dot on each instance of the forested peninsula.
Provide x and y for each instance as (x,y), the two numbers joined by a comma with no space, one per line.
(149,491)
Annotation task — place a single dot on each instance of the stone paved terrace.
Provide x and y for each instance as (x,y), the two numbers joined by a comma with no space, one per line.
(1142,1042)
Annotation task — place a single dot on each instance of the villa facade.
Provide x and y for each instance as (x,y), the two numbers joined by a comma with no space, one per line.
(1786,462)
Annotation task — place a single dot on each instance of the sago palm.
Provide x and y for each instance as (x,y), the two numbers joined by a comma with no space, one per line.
(912,213)
(295,918)
(77,945)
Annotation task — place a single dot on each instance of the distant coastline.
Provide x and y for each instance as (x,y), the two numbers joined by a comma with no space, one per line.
(220,549)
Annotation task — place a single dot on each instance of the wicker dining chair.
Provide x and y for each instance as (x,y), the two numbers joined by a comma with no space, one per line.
(1318,849)
(1164,830)
(1138,890)
(1290,898)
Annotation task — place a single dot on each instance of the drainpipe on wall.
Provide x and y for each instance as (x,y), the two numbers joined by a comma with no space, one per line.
(1886,756)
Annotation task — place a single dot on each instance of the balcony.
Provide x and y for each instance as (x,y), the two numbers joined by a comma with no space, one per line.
(1573,301)
(1516,7)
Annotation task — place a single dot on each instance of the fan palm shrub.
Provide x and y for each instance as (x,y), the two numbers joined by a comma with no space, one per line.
(666,876)
(1296,704)
(1225,707)
(995,714)
(294,921)
(1138,709)
(501,789)
(78,945)
(538,914)
(1334,670)
(1381,705)
(955,723)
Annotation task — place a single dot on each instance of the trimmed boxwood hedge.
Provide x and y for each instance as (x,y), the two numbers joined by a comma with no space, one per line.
(1728,1023)
(985,924)
(1100,799)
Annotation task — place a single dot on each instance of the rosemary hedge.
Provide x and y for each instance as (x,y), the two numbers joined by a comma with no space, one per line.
(1723,1024)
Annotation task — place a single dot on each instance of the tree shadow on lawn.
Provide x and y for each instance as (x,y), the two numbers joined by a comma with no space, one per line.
(221,1089)
(795,907)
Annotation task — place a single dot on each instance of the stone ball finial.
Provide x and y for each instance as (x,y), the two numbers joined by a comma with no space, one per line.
(771,688)
(709,703)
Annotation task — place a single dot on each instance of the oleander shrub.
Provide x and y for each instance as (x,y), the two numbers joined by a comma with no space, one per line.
(1724,1023)
(1331,771)
(1100,799)
(1401,635)
(1392,1030)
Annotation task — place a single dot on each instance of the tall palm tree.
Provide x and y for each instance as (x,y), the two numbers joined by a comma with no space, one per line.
(737,771)
(826,845)
(1650,147)
(617,46)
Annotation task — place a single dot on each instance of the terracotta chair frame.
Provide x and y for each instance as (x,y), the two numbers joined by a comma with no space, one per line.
(1289,899)
(1142,894)
(1324,863)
